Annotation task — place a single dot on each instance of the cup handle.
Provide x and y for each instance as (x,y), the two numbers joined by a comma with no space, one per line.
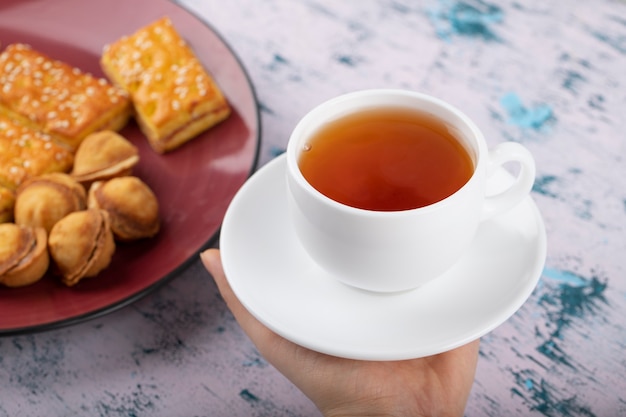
(520,188)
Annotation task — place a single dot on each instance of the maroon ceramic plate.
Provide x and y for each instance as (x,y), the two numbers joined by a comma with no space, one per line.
(193,184)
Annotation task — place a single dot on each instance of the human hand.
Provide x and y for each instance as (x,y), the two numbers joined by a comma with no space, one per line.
(437,385)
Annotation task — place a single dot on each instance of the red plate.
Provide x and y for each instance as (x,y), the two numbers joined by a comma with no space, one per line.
(193,184)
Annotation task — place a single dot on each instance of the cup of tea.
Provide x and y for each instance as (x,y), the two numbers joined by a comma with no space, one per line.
(386,188)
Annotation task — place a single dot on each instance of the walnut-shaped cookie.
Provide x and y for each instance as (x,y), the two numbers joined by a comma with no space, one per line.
(42,201)
(104,155)
(131,204)
(23,254)
(81,245)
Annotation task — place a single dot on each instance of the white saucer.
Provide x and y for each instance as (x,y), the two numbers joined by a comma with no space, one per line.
(280,285)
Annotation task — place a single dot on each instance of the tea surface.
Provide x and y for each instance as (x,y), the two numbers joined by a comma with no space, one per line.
(386,160)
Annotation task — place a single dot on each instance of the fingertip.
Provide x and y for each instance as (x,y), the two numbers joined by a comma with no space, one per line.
(209,258)
(212,261)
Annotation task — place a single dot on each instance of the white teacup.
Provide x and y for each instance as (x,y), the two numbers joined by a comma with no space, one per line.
(388,251)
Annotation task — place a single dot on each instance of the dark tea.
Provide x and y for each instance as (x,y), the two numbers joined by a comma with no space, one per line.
(386,160)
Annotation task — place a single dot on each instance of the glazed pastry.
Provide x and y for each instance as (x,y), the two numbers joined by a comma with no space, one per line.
(23,255)
(104,155)
(44,200)
(27,153)
(7,202)
(81,245)
(58,99)
(131,204)
(174,97)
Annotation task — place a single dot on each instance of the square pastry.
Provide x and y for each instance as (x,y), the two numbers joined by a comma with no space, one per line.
(174,97)
(56,98)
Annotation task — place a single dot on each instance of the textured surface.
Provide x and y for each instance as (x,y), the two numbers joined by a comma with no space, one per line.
(548,75)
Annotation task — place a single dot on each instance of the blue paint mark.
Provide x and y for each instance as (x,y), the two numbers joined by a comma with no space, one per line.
(542,397)
(573,298)
(572,79)
(347,60)
(568,298)
(542,185)
(278,61)
(618,42)
(564,277)
(276,151)
(545,185)
(596,102)
(17,344)
(529,384)
(578,301)
(401,8)
(262,406)
(470,19)
(265,108)
(551,350)
(256,362)
(576,295)
(39,362)
(140,401)
(524,117)
(584,212)
(248,396)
